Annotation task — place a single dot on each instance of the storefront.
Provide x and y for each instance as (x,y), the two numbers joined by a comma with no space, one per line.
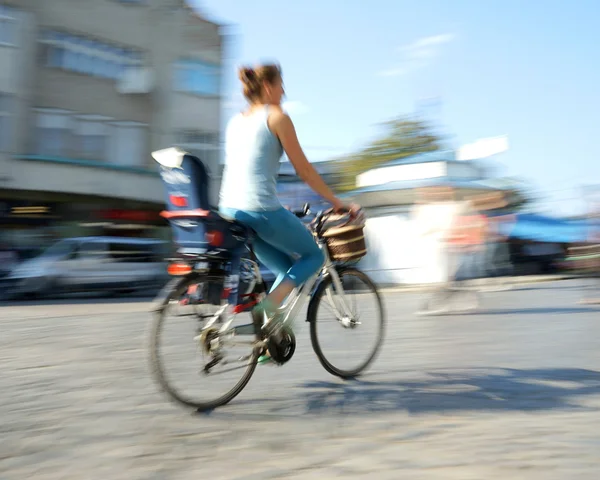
(109,218)
(132,222)
(31,221)
(27,226)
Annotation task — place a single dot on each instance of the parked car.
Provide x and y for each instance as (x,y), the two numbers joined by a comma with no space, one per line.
(113,264)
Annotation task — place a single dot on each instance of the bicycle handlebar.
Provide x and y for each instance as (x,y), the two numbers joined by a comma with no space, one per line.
(304,212)
(317,223)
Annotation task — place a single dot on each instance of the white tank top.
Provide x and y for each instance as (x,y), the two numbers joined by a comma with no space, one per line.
(252,156)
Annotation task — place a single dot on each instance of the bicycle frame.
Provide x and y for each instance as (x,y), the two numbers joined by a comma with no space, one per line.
(295,300)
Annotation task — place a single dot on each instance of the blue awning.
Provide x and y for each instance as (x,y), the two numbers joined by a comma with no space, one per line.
(540,228)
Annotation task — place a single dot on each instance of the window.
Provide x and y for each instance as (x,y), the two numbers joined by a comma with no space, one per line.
(6,109)
(62,248)
(53,132)
(132,253)
(92,137)
(91,251)
(128,144)
(61,133)
(8,26)
(195,76)
(203,144)
(199,139)
(87,56)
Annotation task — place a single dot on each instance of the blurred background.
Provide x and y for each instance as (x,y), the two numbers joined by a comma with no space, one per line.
(89,89)
(468,131)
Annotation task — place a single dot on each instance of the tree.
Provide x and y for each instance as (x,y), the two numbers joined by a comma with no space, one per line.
(403,137)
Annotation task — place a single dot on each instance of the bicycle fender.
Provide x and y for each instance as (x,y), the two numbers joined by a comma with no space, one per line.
(159,302)
(317,291)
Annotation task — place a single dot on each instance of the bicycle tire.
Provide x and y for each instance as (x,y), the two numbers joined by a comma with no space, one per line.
(312,319)
(156,365)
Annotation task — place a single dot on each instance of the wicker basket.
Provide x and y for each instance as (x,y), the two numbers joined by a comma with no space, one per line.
(346,243)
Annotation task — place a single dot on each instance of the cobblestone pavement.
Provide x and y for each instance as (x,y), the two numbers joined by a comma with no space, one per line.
(512,392)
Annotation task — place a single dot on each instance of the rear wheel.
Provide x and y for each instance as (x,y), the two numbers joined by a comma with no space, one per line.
(202,353)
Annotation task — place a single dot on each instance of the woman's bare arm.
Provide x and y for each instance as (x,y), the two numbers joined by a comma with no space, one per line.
(282,126)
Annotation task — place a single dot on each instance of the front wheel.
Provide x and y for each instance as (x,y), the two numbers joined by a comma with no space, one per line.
(347,327)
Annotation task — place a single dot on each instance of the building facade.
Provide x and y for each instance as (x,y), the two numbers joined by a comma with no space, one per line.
(88,88)
(399,243)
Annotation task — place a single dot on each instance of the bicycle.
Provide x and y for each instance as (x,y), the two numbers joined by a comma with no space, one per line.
(218,333)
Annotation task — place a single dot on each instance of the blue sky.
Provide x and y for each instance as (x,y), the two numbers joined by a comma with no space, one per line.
(529,69)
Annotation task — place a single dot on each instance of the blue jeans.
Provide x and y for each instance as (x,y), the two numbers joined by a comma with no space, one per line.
(283,244)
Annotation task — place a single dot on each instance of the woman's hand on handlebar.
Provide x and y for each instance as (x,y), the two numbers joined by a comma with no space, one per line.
(352,208)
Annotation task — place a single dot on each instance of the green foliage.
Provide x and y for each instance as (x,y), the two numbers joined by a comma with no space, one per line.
(403,137)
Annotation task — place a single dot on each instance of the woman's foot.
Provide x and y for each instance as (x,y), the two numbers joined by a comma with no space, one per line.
(263,359)
(265,326)
(266,321)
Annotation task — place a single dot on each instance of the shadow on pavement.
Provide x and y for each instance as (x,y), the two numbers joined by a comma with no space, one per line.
(532,311)
(471,390)
(551,286)
(79,300)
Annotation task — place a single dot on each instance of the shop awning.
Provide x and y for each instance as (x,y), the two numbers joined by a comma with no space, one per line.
(541,228)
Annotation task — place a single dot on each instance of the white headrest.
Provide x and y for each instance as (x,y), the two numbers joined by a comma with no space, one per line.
(170,157)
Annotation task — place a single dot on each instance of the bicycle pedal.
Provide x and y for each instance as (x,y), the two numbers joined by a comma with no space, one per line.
(215,360)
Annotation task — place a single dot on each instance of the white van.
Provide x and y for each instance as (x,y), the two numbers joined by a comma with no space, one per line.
(113,264)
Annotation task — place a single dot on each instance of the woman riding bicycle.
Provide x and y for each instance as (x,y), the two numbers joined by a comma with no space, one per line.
(254,144)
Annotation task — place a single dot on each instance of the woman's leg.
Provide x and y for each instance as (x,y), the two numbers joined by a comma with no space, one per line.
(283,235)
(275,260)
(285,246)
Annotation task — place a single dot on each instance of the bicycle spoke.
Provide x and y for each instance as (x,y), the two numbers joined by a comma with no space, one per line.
(331,308)
(181,352)
(229,369)
(247,329)
(339,351)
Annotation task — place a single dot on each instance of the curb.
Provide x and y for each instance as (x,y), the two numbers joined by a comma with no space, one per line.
(524,280)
